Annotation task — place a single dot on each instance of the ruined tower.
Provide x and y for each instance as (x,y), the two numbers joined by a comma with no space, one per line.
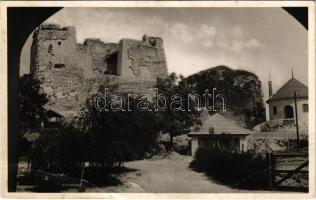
(52,46)
(142,59)
(54,63)
(70,71)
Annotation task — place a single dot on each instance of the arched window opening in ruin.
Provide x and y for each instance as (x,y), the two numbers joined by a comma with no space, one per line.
(288,112)
(111,63)
(59,43)
(50,48)
(59,65)
(152,42)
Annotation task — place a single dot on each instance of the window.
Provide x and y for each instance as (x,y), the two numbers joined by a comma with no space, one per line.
(50,48)
(53,119)
(203,142)
(111,62)
(305,107)
(59,65)
(50,65)
(275,111)
(59,43)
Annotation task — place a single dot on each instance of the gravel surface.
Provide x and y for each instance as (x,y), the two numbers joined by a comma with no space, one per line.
(171,174)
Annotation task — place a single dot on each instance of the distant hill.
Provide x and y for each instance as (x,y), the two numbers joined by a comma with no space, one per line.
(242,91)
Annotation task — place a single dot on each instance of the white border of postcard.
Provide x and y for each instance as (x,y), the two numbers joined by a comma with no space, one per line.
(262,4)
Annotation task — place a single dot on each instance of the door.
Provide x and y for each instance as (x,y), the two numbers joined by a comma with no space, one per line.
(288,112)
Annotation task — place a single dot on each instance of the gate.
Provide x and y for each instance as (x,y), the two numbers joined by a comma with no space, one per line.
(289,171)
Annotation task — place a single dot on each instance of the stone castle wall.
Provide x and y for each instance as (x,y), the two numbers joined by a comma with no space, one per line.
(71,71)
(53,45)
(100,53)
(142,59)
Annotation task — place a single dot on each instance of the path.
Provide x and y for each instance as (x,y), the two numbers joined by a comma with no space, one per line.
(164,176)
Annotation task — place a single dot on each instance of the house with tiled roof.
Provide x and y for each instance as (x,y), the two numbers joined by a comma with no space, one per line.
(219,132)
(282,103)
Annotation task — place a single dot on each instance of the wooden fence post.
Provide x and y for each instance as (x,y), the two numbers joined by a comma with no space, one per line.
(272,169)
(83,168)
(268,160)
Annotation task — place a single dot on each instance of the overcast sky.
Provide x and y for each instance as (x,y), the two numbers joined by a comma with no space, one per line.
(261,40)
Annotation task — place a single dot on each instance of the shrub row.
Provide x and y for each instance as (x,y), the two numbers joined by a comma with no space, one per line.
(241,170)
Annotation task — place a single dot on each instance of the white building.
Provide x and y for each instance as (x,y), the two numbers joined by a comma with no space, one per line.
(282,103)
(219,132)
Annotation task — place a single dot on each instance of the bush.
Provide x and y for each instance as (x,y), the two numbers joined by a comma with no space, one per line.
(59,150)
(119,136)
(104,139)
(242,170)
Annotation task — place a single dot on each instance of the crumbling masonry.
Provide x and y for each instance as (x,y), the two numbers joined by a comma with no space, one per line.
(71,71)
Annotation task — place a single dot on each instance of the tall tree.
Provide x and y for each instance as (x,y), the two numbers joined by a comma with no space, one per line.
(242,91)
(115,136)
(181,109)
(31,110)
(32,101)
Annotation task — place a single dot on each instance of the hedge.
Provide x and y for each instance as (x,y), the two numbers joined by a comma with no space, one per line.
(241,170)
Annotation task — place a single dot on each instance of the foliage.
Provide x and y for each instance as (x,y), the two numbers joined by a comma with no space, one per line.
(59,150)
(175,121)
(32,101)
(31,111)
(242,91)
(108,138)
(242,170)
(118,136)
(104,139)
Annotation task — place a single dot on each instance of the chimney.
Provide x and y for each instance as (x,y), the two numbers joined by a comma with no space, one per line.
(270,86)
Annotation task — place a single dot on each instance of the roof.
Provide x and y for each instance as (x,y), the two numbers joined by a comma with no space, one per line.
(221,125)
(287,91)
(51,113)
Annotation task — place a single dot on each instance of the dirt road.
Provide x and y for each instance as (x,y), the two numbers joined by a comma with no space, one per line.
(163,176)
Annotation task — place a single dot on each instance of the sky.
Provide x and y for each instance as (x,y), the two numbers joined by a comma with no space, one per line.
(261,40)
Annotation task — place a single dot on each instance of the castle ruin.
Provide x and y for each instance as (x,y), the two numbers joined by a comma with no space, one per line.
(70,71)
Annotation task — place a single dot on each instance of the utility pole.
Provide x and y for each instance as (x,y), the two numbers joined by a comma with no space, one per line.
(296,121)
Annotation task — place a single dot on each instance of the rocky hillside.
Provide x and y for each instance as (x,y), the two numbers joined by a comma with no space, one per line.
(242,91)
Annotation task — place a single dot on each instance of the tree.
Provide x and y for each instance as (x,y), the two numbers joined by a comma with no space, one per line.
(177,121)
(114,137)
(31,111)
(242,91)
(32,101)
(59,150)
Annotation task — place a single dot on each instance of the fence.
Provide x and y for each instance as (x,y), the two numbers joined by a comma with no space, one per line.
(289,171)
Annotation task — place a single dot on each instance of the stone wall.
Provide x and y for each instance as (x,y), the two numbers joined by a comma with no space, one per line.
(54,61)
(142,59)
(70,72)
(64,87)
(100,52)
(53,46)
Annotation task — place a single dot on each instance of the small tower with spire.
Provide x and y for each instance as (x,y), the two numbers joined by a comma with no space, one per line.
(283,103)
